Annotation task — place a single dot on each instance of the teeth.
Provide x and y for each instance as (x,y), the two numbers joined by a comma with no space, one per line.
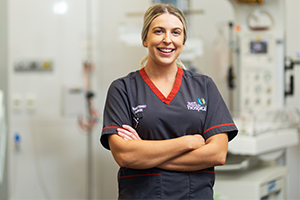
(166,50)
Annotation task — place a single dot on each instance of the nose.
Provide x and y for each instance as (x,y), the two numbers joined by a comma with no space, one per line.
(167,37)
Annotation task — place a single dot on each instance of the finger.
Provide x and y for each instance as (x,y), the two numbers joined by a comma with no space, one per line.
(129,128)
(129,135)
(133,131)
(124,136)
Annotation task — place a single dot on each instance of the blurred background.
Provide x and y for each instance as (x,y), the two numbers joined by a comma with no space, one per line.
(58,58)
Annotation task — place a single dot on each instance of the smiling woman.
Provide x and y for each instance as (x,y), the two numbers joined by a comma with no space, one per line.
(155,11)
(164,41)
(166,127)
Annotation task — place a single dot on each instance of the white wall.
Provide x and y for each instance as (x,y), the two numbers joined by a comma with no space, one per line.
(4,85)
(52,160)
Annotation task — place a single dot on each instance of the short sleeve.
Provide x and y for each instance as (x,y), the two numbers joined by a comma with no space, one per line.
(117,111)
(218,118)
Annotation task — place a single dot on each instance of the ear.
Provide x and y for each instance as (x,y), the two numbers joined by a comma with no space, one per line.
(145,43)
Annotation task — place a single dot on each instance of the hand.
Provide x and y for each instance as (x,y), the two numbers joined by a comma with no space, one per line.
(128,133)
(200,140)
(195,141)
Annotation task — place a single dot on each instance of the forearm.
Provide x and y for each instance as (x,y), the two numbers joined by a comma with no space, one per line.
(210,155)
(143,154)
(201,158)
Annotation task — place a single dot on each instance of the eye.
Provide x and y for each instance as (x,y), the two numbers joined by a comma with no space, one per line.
(158,31)
(176,32)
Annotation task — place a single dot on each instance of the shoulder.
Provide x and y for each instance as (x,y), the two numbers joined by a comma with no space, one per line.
(196,77)
(123,81)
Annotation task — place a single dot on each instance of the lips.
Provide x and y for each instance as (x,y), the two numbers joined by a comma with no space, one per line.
(166,51)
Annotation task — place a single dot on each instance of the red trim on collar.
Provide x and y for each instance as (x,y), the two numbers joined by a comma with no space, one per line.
(174,90)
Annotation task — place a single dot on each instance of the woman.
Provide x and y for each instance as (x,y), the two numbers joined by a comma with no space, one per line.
(166,127)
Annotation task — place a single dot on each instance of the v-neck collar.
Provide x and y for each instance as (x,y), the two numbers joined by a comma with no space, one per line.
(172,94)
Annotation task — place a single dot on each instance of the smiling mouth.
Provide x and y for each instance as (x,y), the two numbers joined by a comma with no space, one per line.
(166,50)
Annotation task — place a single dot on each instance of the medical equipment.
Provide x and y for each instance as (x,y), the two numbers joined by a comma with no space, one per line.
(254,166)
(289,66)
(250,1)
(260,183)
(260,56)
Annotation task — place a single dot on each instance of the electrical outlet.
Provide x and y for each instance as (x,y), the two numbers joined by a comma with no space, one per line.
(16,102)
(30,102)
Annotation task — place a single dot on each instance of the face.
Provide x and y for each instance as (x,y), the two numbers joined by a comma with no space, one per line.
(164,40)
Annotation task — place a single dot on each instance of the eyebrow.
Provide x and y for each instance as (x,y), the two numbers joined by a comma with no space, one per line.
(164,28)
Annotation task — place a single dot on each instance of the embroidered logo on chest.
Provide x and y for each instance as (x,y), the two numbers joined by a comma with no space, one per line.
(200,105)
(138,114)
(138,109)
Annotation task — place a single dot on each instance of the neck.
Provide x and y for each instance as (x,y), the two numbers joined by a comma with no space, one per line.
(155,71)
(163,77)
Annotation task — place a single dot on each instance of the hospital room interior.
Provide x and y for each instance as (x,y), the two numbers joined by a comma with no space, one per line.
(58,58)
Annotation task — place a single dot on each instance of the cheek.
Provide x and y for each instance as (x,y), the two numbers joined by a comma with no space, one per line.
(179,42)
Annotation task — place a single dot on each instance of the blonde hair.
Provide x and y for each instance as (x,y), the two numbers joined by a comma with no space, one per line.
(153,12)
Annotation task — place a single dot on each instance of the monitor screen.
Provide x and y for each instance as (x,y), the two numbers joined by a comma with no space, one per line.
(258,47)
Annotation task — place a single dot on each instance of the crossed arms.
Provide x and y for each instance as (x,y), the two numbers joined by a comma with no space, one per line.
(186,153)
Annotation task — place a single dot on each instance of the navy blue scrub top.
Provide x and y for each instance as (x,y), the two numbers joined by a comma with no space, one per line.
(193,106)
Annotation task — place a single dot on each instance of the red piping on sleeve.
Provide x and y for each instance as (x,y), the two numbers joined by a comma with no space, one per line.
(110,127)
(220,125)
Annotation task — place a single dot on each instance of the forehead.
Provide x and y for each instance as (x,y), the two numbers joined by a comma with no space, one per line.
(167,21)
